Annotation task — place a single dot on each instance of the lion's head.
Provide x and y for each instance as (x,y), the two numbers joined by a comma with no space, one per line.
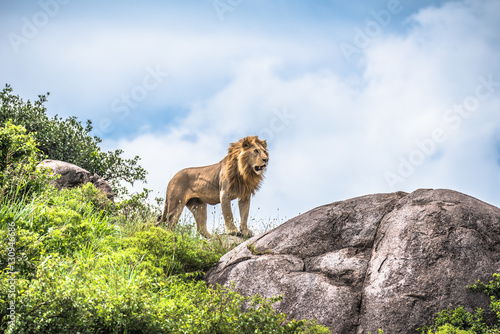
(246,162)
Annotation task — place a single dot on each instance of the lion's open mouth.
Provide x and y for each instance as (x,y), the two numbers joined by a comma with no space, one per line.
(259,168)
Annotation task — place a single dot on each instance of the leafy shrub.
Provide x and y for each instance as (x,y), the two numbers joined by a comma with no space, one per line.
(28,250)
(97,295)
(77,273)
(491,289)
(59,222)
(18,160)
(462,322)
(450,329)
(458,321)
(174,253)
(68,140)
(136,211)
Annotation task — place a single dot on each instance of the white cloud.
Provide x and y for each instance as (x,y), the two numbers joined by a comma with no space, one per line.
(343,135)
(89,68)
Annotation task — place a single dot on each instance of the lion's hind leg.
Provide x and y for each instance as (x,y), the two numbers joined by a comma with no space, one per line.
(199,210)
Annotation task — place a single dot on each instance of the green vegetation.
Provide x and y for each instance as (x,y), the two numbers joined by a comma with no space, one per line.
(18,160)
(71,261)
(68,140)
(252,248)
(459,321)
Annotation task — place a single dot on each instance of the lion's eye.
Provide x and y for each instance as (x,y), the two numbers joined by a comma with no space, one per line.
(256,151)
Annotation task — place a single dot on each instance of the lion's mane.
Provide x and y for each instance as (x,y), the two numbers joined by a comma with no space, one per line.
(242,180)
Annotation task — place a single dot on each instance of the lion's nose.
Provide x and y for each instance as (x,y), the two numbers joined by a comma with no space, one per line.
(265,159)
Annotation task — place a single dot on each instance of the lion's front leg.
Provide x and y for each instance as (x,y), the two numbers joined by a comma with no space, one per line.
(244,205)
(225,203)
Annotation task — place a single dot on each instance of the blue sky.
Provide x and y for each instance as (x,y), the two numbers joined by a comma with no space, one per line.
(353,97)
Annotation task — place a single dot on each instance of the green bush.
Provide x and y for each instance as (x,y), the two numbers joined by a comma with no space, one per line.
(68,140)
(98,295)
(137,210)
(492,288)
(78,273)
(19,176)
(458,321)
(450,329)
(461,322)
(57,222)
(172,252)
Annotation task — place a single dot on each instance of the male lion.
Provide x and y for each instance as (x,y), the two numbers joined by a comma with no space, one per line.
(238,175)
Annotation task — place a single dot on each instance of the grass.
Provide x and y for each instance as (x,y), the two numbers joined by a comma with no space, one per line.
(84,265)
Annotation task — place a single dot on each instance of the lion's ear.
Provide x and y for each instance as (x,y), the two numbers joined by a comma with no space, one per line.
(264,143)
(246,142)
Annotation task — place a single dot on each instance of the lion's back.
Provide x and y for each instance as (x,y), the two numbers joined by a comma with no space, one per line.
(200,182)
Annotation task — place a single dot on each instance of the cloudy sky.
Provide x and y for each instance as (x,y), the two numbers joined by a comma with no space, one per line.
(353,97)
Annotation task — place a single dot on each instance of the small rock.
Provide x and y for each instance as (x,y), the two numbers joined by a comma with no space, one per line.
(73,176)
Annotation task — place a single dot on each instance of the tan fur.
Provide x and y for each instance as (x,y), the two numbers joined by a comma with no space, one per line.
(238,175)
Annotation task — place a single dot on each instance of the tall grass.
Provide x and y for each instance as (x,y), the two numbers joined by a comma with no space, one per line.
(16,210)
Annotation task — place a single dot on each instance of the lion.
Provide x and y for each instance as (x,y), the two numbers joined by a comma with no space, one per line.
(238,175)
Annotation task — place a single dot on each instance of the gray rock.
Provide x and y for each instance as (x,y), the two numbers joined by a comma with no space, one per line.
(103,186)
(388,261)
(73,176)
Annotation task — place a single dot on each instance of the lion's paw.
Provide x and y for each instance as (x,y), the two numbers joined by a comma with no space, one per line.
(246,233)
(206,234)
(235,233)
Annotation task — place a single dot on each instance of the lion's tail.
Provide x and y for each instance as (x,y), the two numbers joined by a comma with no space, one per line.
(162,218)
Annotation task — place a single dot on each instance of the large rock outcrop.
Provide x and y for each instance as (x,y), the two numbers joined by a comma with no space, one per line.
(388,261)
(72,175)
